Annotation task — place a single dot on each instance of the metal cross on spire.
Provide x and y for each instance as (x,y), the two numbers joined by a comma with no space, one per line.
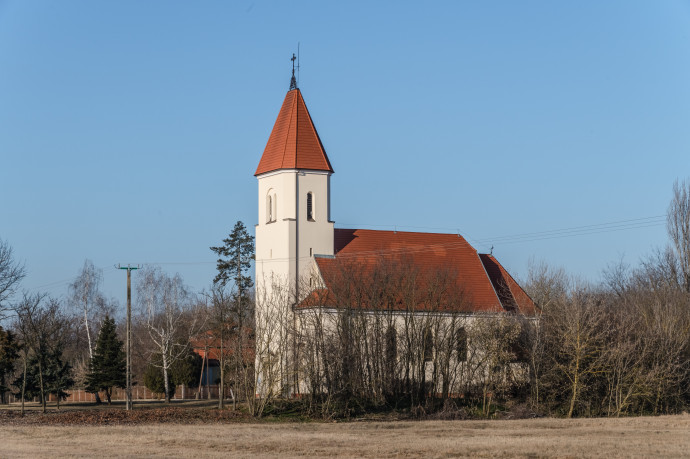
(293,81)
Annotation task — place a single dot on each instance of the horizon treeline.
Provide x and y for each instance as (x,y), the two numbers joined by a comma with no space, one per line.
(392,337)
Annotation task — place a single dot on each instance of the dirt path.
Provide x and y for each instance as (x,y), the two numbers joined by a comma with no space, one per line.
(665,436)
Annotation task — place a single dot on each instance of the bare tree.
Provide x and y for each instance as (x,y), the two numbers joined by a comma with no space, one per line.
(386,333)
(545,284)
(166,309)
(575,333)
(225,332)
(493,339)
(273,334)
(11,273)
(42,328)
(662,330)
(678,225)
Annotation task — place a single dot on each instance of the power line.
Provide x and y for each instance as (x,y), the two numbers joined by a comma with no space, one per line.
(59,283)
(573,231)
(581,233)
(618,225)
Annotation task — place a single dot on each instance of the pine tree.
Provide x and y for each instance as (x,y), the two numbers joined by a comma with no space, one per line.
(9,353)
(58,375)
(108,366)
(184,370)
(238,250)
(32,387)
(46,367)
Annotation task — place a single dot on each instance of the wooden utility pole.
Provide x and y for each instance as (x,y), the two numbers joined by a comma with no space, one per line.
(128,390)
(221,357)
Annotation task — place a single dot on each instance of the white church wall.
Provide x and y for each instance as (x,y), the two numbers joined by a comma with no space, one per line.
(286,240)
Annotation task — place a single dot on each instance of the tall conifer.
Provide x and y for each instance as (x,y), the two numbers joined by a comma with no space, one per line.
(108,366)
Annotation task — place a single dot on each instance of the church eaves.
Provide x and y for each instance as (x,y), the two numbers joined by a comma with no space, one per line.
(294,142)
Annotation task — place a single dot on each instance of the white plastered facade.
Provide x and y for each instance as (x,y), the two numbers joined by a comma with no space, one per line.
(286,239)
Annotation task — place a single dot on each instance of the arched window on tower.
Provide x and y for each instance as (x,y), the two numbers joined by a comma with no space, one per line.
(269,209)
(310,206)
(271,206)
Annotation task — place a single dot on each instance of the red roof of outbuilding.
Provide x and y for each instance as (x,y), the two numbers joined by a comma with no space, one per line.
(294,142)
(477,279)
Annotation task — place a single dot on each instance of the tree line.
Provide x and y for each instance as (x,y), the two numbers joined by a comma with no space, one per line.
(391,336)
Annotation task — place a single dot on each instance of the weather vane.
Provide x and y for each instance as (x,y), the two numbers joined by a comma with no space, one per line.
(293,81)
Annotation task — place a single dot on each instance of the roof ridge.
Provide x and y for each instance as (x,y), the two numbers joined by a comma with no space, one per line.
(287,137)
(399,231)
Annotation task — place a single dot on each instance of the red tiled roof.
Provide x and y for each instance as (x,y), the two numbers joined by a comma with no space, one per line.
(509,291)
(294,142)
(428,252)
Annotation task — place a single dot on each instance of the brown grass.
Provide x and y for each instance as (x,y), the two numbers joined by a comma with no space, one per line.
(664,436)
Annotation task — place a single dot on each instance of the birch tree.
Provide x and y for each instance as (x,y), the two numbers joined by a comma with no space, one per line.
(86,298)
(166,309)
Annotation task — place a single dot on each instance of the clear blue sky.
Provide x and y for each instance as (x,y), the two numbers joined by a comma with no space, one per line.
(130,130)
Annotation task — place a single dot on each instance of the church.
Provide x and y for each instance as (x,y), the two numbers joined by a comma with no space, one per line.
(301,256)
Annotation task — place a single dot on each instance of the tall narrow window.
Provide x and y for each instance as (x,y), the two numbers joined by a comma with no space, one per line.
(461,336)
(310,207)
(269,209)
(391,345)
(428,344)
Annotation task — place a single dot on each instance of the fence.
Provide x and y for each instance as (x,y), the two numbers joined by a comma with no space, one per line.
(138,393)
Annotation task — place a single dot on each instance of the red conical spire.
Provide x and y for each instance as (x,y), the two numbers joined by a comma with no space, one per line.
(294,142)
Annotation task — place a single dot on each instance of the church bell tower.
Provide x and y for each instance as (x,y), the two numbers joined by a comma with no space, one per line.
(294,201)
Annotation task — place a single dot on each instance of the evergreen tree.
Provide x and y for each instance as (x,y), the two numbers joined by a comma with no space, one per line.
(46,365)
(107,368)
(9,353)
(33,378)
(42,329)
(184,370)
(57,375)
(153,376)
(238,252)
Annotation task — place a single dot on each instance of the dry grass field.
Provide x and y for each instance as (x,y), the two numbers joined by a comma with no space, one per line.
(665,436)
